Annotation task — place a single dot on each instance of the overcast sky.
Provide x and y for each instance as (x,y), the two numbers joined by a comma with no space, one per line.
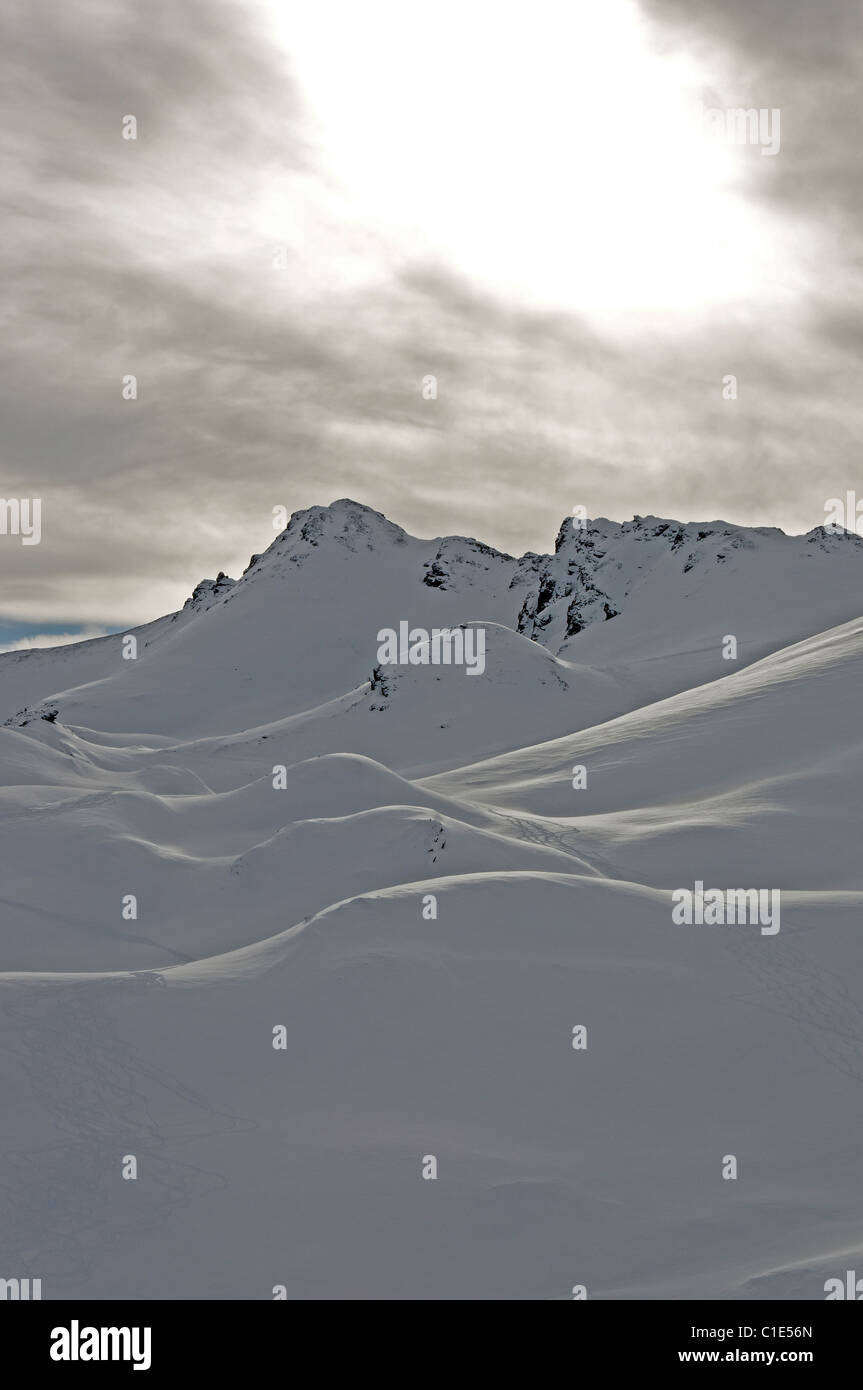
(327,202)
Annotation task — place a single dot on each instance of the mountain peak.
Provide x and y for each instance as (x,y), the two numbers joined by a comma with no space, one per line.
(343,518)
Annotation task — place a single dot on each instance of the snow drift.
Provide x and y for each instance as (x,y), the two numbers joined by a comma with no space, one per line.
(286,922)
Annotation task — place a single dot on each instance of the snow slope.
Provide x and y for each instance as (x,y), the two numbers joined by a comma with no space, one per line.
(391,864)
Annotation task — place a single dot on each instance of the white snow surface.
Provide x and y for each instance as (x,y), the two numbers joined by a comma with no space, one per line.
(409,1036)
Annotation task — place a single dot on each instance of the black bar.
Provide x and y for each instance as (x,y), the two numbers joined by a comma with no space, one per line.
(238,1337)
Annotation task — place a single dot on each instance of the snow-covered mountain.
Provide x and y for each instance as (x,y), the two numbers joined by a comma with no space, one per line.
(298,629)
(428,879)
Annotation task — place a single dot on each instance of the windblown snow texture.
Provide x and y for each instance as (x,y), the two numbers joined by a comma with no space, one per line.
(303,907)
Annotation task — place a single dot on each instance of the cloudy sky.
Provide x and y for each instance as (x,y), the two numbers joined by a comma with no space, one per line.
(328,202)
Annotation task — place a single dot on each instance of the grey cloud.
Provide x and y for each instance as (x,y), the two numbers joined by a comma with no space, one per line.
(804,57)
(256,391)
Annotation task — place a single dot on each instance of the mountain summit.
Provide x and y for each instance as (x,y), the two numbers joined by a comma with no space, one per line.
(646,603)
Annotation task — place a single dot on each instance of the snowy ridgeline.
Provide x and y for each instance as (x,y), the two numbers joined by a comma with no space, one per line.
(344,976)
